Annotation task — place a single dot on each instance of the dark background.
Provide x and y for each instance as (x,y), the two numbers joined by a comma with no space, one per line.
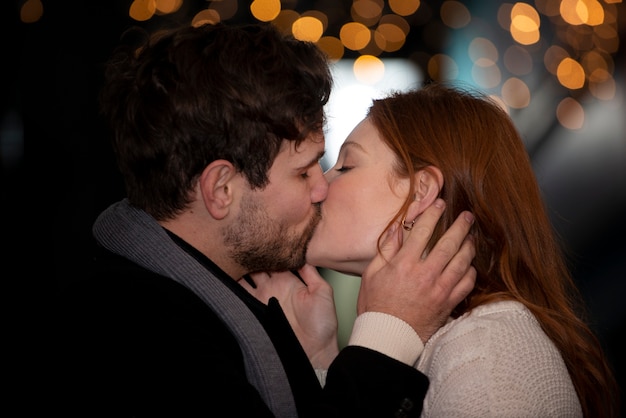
(49,88)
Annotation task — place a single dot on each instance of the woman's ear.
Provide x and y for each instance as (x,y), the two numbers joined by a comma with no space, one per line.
(428,185)
(217,187)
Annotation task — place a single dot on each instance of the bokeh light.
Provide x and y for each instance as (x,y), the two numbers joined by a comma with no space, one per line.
(265,10)
(573,41)
(308,28)
(570,114)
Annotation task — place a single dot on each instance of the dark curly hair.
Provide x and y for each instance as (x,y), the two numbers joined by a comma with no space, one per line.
(192,95)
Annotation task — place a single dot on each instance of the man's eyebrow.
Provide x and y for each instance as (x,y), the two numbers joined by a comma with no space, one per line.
(314,161)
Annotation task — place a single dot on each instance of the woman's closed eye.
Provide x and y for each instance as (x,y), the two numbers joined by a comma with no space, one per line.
(343,168)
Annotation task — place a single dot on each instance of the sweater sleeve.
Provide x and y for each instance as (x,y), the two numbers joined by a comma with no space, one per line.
(375,372)
(388,335)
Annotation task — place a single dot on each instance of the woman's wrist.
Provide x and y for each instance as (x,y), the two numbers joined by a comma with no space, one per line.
(324,357)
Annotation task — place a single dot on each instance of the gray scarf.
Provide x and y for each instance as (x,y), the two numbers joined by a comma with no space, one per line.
(135,235)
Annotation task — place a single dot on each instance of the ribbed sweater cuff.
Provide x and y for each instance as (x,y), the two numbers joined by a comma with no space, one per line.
(387,334)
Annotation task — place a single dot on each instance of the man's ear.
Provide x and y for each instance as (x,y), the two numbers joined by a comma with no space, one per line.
(428,185)
(217,187)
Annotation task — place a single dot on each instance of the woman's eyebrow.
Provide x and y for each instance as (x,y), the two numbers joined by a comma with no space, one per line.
(348,144)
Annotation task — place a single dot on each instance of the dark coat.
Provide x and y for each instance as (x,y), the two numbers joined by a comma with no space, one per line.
(130,343)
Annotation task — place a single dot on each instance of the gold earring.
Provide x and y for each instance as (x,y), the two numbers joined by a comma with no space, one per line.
(405,226)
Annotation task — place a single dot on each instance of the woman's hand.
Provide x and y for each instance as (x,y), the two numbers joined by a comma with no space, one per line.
(309,306)
(418,287)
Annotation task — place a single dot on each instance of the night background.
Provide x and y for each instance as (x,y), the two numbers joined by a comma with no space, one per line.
(575,134)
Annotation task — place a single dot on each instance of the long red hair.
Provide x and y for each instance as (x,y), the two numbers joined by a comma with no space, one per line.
(486,170)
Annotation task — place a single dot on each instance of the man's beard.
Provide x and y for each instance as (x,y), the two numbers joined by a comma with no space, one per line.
(259,243)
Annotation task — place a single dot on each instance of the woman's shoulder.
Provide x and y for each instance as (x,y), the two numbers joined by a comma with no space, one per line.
(489,318)
(496,332)
(496,358)
(503,308)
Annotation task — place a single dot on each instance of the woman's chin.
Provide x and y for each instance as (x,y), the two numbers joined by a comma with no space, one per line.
(347,267)
(321,260)
(349,273)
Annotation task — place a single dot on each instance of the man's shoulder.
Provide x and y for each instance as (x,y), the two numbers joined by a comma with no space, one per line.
(108,276)
(118,295)
(137,337)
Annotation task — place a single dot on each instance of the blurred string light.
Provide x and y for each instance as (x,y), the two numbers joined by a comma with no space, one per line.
(573,41)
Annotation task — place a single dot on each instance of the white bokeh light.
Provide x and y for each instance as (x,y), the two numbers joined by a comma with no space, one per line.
(351,98)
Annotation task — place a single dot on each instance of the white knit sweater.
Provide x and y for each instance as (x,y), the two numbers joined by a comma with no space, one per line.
(496,362)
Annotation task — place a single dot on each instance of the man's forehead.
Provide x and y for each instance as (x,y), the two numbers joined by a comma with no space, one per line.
(305,153)
(311,144)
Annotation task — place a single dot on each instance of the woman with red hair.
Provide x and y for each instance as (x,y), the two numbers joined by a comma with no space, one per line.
(518,345)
